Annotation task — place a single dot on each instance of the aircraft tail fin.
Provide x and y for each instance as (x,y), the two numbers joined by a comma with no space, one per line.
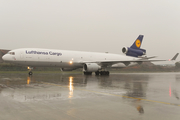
(135,50)
(138,42)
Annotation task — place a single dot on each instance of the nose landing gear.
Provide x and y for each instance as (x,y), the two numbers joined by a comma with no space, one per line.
(30,70)
(30,73)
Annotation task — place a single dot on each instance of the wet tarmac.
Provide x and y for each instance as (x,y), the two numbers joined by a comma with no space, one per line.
(56,96)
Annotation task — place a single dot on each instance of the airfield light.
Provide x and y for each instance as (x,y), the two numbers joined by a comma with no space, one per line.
(70,62)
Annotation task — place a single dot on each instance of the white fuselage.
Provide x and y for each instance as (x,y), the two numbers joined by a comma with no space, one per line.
(61,58)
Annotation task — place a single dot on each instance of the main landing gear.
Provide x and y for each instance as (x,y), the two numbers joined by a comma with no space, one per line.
(102,73)
(97,73)
(87,73)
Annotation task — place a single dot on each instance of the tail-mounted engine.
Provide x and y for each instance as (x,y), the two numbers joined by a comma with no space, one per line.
(133,52)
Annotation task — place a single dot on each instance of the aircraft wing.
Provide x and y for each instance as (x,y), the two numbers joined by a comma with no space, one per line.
(109,63)
(147,57)
(127,62)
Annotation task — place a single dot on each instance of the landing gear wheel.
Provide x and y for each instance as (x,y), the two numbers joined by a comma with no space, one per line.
(97,73)
(107,72)
(104,72)
(30,73)
(87,73)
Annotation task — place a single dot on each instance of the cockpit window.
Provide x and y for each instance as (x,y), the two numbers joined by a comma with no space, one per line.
(11,53)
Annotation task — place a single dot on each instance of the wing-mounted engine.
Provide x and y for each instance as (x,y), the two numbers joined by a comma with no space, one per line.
(133,52)
(91,67)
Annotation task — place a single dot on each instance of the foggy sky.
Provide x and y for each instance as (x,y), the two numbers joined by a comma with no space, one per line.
(91,25)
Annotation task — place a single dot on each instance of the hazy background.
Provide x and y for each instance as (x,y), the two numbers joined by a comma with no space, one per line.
(91,25)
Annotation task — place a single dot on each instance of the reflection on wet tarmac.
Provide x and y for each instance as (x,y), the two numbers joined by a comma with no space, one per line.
(116,93)
(71,88)
(170,90)
(128,85)
(139,106)
(176,94)
(28,80)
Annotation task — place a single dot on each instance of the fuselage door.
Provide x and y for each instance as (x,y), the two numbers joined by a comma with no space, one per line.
(22,55)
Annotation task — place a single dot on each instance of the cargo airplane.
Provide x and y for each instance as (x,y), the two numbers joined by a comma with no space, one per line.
(70,60)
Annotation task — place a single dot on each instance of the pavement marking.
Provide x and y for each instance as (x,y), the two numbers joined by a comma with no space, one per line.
(112,94)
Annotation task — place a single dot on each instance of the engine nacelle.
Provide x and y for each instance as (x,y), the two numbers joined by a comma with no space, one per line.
(133,52)
(91,67)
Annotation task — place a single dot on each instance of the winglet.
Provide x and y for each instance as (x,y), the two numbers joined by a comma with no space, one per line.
(174,58)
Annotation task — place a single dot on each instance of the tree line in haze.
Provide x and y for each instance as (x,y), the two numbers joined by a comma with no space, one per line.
(145,67)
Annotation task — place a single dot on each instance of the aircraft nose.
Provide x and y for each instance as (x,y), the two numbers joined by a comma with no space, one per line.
(5,58)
